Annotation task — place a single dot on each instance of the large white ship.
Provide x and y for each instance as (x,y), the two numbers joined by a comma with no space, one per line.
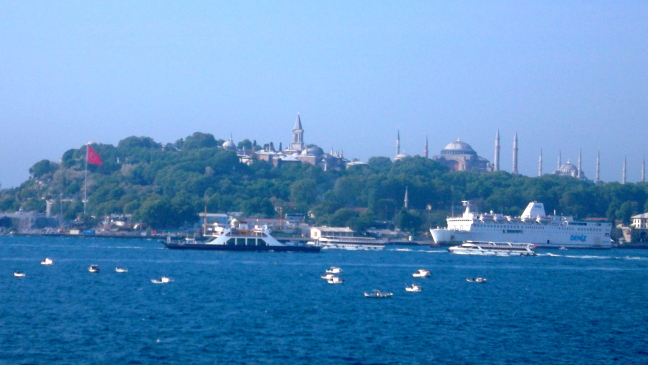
(533,226)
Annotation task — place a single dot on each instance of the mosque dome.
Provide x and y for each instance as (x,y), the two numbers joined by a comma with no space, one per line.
(458,148)
(401,156)
(229,145)
(568,168)
(312,151)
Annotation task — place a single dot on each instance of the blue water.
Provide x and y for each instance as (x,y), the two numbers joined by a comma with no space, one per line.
(584,307)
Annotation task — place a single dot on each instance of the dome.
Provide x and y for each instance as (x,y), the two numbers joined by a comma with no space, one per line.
(229,145)
(458,148)
(312,151)
(401,156)
(568,168)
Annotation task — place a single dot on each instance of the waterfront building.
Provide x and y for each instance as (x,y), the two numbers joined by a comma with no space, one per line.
(329,232)
(639,221)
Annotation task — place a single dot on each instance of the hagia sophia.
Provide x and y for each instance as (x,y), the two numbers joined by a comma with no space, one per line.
(457,155)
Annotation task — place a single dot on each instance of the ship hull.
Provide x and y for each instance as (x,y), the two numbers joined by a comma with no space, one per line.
(543,236)
(206,247)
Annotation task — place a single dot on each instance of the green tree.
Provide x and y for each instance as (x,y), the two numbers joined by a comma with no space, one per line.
(408,221)
(303,194)
(41,168)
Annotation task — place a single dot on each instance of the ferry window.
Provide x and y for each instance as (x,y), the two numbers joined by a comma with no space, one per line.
(240,241)
(261,242)
(251,242)
(231,241)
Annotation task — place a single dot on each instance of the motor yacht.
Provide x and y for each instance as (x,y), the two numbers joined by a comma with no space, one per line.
(476,280)
(333,270)
(121,270)
(378,294)
(504,249)
(162,280)
(413,288)
(93,268)
(19,274)
(47,261)
(335,280)
(421,274)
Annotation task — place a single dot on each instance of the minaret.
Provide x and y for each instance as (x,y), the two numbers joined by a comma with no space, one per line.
(425,151)
(598,166)
(580,174)
(643,170)
(496,165)
(559,162)
(514,171)
(398,143)
(623,178)
(540,164)
(406,200)
(298,136)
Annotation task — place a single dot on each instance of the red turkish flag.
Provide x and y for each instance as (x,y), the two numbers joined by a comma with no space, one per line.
(93,157)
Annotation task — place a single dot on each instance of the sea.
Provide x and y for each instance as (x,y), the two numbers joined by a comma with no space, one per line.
(560,307)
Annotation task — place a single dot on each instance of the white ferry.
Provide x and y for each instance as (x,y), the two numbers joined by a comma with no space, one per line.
(232,239)
(349,243)
(493,249)
(533,226)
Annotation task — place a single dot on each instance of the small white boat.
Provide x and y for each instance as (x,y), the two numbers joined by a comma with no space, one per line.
(93,268)
(19,274)
(562,248)
(121,269)
(378,294)
(47,261)
(413,288)
(162,280)
(335,280)
(476,280)
(421,274)
(327,276)
(333,270)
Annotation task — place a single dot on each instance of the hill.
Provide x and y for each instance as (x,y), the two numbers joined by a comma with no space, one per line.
(165,186)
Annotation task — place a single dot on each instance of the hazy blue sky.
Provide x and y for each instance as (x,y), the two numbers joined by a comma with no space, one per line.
(563,75)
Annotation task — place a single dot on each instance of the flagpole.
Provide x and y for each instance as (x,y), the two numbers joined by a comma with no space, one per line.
(85,183)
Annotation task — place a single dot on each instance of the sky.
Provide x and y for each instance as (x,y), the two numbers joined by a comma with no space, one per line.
(564,76)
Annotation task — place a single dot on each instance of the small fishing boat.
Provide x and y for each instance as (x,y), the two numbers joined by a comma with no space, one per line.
(47,261)
(476,280)
(121,270)
(335,280)
(162,280)
(413,288)
(93,268)
(421,274)
(19,274)
(333,270)
(327,276)
(378,294)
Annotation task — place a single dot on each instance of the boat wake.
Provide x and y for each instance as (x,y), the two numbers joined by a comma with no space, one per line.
(418,251)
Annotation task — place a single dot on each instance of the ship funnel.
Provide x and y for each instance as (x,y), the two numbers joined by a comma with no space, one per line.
(534,209)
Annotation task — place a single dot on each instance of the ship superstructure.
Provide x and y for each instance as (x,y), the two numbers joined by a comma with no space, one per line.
(533,226)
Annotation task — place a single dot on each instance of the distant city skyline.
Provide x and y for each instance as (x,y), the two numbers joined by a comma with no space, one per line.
(566,77)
